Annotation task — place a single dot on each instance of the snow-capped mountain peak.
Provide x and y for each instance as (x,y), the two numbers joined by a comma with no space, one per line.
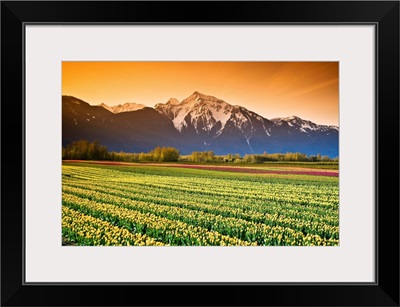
(302,125)
(201,111)
(126,107)
(173,101)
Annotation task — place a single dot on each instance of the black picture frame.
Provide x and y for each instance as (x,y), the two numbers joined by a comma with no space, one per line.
(383,14)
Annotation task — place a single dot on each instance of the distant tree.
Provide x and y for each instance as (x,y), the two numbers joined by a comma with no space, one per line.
(203,156)
(156,152)
(228,158)
(159,154)
(169,154)
(145,157)
(325,158)
(248,158)
(195,156)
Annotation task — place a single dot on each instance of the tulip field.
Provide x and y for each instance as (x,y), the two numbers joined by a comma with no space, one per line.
(159,205)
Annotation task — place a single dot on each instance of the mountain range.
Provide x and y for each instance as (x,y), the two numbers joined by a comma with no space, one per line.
(197,123)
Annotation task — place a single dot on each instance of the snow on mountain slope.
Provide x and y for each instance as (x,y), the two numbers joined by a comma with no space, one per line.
(126,107)
(201,111)
(302,125)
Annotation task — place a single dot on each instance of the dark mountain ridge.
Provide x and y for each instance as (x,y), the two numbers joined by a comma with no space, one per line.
(198,123)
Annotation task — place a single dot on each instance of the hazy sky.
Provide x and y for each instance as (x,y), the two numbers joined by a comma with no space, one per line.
(309,90)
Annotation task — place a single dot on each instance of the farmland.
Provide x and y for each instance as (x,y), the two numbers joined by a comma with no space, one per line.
(186,205)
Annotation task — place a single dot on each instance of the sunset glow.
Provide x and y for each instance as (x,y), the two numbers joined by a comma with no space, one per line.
(309,90)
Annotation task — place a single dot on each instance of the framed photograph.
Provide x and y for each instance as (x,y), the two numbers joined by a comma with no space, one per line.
(245,155)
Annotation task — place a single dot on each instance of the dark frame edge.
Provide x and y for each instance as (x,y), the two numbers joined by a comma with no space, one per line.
(11,285)
(388,90)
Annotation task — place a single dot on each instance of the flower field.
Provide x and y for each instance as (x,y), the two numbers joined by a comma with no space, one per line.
(154,205)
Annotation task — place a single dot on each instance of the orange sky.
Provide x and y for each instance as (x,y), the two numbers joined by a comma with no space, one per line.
(309,90)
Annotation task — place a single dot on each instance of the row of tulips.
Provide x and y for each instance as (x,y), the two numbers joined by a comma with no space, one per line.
(162,229)
(271,199)
(231,222)
(202,229)
(82,229)
(319,194)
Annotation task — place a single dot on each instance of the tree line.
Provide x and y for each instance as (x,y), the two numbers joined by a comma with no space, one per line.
(209,156)
(85,150)
(158,154)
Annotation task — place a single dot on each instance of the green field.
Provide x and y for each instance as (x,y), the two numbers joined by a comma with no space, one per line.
(143,204)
